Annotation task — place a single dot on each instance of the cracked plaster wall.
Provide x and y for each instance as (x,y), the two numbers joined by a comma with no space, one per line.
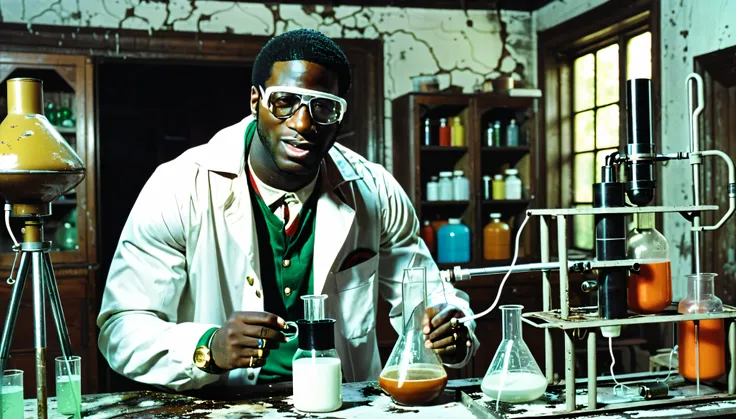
(460,48)
(689,28)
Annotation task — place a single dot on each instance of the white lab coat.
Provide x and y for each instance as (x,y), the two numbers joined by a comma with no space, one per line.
(188,257)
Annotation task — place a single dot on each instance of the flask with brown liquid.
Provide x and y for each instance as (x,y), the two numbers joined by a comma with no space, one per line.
(649,290)
(702,342)
(413,375)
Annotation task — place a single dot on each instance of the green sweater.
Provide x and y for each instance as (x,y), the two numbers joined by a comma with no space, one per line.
(286,263)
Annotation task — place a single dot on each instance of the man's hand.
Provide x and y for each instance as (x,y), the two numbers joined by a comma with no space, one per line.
(245,339)
(451,343)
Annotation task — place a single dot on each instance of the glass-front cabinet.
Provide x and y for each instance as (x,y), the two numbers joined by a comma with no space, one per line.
(67,90)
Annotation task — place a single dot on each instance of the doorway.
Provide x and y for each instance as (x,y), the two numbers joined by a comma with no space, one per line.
(150,112)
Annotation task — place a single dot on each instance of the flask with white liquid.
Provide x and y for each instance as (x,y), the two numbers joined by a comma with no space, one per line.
(514,376)
(317,371)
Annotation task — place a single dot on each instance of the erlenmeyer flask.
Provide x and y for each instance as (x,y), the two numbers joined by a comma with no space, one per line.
(514,376)
(413,375)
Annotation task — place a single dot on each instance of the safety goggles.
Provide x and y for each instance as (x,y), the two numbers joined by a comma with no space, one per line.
(285,101)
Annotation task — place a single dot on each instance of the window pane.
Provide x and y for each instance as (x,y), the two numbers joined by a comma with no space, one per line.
(584,133)
(606,127)
(606,75)
(600,160)
(639,57)
(583,226)
(583,175)
(583,85)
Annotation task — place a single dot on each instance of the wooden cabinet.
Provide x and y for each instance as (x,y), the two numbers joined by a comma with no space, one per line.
(68,99)
(416,162)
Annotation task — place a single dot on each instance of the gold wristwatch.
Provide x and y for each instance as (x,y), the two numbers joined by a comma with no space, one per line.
(203,354)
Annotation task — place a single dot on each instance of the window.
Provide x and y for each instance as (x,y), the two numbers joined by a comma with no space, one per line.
(598,126)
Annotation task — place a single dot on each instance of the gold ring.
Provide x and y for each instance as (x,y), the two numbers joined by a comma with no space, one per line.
(261,343)
(250,363)
(454,323)
(260,353)
(454,337)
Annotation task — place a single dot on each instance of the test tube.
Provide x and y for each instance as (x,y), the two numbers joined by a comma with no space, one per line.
(314,307)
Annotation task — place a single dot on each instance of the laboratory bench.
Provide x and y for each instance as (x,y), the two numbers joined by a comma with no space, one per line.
(461,399)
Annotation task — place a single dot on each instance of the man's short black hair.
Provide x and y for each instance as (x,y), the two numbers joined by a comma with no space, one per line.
(303,45)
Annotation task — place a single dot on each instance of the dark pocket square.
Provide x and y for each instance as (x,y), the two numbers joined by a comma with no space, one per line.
(356,257)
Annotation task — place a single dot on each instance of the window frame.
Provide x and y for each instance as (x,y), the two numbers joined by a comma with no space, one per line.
(557,49)
(621,39)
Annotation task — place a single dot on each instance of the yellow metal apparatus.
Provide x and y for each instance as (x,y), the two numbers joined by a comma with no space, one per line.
(36,164)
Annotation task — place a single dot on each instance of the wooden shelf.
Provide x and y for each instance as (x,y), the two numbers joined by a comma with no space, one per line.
(443,203)
(515,149)
(65,130)
(443,148)
(506,202)
(64,202)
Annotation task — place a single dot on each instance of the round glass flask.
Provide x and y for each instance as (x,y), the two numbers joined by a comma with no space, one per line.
(649,290)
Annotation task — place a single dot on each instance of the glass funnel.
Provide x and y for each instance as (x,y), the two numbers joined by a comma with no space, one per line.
(701,344)
(413,375)
(514,376)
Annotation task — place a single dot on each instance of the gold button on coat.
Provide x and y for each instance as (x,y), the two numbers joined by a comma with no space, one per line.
(286,263)
(250,280)
(287,291)
(258,293)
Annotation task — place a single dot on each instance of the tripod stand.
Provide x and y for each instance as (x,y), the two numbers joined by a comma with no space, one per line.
(34,256)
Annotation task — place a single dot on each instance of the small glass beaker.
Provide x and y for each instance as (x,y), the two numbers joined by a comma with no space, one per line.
(701,343)
(11,399)
(514,376)
(69,385)
(414,374)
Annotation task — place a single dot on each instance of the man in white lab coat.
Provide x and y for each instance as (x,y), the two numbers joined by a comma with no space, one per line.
(225,239)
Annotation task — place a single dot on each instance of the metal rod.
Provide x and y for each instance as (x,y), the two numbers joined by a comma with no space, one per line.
(562,254)
(39,327)
(549,371)
(13,308)
(56,307)
(732,353)
(694,148)
(592,372)
(569,372)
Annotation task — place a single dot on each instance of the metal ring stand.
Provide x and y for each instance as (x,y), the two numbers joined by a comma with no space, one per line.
(34,256)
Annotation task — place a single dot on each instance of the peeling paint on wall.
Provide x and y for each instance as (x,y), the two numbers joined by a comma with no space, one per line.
(460,47)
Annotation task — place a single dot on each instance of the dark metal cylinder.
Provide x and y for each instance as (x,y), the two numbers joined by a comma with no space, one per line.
(319,335)
(610,244)
(640,145)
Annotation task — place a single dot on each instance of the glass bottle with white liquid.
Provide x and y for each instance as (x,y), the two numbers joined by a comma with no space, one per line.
(514,376)
(317,371)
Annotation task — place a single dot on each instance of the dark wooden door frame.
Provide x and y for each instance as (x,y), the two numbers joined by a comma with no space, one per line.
(717,130)
(186,46)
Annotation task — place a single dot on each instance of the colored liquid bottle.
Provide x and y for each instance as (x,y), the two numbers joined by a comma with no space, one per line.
(428,235)
(649,290)
(445,136)
(512,134)
(453,242)
(496,239)
(702,351)
(499,187)
(458,132)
